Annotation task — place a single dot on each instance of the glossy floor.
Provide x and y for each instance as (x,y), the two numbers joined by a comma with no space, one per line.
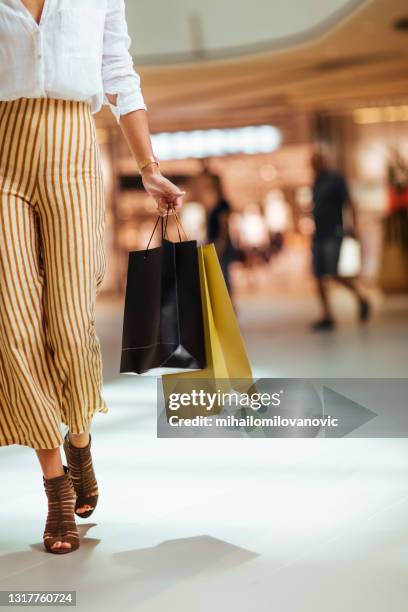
(242,524)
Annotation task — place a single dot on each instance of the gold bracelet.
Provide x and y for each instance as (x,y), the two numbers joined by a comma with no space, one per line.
(146,162)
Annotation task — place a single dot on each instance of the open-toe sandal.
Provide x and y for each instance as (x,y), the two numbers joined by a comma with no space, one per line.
(60,525)
(82,474)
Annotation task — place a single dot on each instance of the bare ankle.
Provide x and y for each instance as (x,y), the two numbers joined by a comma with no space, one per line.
(50,461)
(79,440)
(53,472)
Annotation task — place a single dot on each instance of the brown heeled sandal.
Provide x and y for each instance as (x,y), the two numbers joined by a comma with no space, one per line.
(60,525)
(82,475)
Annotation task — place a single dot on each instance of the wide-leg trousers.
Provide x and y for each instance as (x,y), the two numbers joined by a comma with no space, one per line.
(52,262)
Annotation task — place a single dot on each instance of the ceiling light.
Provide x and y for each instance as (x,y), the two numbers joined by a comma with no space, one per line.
(216,142)
(381,114)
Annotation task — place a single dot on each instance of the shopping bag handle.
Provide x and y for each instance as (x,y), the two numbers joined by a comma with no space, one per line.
(179,226)
(178,223)
(164,227)
(159,218)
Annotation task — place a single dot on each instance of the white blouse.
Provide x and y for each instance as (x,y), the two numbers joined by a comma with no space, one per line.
(78,51)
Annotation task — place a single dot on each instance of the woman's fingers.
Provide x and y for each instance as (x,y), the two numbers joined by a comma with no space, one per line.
(175,191)
(167,204)
(164,207)
(178,202)
(173,196)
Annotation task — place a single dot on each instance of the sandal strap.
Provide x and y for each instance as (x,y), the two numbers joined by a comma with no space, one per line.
(81,467)
(60,522)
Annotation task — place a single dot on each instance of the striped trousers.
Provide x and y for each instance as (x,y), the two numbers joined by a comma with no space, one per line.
(52,262)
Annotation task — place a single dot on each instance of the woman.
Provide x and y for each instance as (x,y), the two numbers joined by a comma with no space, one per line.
(219,212)
(60,60)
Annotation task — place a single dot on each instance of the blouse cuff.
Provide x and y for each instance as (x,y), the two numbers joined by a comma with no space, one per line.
(126,103)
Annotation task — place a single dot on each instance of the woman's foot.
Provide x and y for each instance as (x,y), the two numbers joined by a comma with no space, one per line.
(80,465)
(60,533)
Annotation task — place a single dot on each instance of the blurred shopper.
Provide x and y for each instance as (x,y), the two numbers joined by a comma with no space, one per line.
(218,232)
(397,181)
(255,240)
(52,260)
(330,197)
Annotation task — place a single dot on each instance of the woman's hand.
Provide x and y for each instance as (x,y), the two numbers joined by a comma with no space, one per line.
(162,190)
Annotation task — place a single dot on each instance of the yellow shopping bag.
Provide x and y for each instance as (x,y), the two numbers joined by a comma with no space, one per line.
(227,344)
(226,357)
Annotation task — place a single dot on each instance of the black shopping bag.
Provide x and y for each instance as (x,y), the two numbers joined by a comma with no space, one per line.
(163,322)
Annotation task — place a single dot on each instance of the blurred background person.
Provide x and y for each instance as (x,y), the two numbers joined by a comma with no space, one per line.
(255,240)
(218,216)
(397,174)
(330,197)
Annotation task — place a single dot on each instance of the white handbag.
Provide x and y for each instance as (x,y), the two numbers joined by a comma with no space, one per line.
(350,258)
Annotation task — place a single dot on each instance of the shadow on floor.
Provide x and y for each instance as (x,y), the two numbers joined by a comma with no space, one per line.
(183,558)
(131,577)
(39,564)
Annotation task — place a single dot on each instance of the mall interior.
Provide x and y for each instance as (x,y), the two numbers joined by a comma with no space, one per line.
(247,92)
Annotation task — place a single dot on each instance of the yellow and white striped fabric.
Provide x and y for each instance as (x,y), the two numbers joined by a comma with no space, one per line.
(52,262)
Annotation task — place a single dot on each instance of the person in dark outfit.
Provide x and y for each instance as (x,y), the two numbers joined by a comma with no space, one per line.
(218,228)
(330,196)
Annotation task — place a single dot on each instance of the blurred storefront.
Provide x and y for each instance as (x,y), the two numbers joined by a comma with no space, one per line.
(269,191)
